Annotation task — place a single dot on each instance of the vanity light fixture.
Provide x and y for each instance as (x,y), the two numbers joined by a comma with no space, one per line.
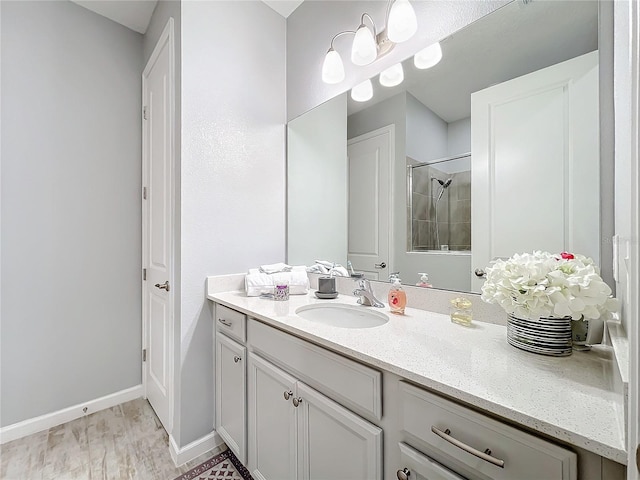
(332,68)
(369,44)
(392,76)
(364,49)
(362,92)
(428,57)
(402,24)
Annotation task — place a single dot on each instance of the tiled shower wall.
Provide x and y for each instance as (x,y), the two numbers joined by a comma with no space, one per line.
(454,210)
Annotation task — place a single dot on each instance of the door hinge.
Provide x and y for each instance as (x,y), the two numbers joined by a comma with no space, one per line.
(144,193)
(144,355)
(144,113)
(144,274)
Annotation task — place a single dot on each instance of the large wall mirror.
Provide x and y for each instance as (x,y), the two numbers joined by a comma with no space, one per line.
(492,151)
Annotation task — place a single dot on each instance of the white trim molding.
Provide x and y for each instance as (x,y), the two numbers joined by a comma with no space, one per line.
(193,450)
(53,419)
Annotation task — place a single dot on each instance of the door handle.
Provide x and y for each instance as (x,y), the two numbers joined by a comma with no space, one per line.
(480,273)
(163,286)
(236,359)
(380,265)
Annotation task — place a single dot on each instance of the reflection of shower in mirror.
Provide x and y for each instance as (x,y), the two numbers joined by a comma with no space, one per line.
(440,199)
(443,186)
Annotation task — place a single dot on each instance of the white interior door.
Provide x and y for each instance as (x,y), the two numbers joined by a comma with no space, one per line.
(370,157)
(157,81)
(535,164)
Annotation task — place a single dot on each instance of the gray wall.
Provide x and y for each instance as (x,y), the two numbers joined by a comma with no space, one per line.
(71,142)
(426,132)
(312,25)
(233,172)
(459,137)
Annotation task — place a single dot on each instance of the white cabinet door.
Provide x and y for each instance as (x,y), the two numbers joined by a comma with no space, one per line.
(334,443)
(535,164)
(231,395)
(272,422)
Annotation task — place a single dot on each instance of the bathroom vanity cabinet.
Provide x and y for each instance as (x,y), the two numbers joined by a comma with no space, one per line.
(290,408)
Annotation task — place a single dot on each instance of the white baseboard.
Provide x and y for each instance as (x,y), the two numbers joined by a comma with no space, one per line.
(193,450)
(50,420)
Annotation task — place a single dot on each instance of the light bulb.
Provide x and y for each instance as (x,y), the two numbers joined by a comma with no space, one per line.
(363,50)
(402,24)
(392,76)
(428,57)
(332,68)
(362,92)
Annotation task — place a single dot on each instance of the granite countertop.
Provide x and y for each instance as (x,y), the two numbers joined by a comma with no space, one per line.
(570,398)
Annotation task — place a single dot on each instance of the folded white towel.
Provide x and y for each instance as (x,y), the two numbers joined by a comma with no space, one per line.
(327,268)
(294,268)
(257,283)
(275,268)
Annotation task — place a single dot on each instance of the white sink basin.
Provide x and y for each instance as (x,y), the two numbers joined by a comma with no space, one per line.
(343,315)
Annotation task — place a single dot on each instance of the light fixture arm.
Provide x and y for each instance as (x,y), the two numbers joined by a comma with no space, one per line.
(386,17)
(373,24)
(340,34)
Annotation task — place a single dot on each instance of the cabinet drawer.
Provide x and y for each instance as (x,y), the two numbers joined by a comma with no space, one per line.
(350,383)
(231,323)
(525,456)
(421,467)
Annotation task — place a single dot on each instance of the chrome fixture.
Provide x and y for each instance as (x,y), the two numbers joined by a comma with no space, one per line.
(365,292)
(485,455)
(163,286)
(444,184)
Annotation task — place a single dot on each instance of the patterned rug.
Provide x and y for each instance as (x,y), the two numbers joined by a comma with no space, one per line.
(224,466)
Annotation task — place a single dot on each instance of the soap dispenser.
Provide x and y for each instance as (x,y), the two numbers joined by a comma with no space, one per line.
(397,296)
(424,281)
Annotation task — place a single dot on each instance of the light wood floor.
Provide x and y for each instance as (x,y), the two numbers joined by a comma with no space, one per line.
(123,442)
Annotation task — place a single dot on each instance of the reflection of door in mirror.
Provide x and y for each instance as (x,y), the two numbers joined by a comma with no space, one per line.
(370,157)
(535,165)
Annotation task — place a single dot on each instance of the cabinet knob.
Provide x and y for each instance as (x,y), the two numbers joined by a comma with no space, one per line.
(236,359)
(403,474)
(288,394)
(297,401)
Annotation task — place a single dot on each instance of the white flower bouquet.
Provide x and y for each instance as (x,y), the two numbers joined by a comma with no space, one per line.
(542,284)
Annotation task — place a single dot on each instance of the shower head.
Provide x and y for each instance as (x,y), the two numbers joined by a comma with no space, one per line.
(443,183)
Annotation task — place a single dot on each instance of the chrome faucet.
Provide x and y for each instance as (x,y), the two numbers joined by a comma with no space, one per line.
(365,292)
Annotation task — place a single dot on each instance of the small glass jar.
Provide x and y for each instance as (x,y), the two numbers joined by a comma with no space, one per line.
(281,292)
(460,311)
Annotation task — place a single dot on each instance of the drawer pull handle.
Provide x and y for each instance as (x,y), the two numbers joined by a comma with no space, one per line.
(483,455)
(224,322)
(288,394)
(297,401)
(236,359)
(403,474)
